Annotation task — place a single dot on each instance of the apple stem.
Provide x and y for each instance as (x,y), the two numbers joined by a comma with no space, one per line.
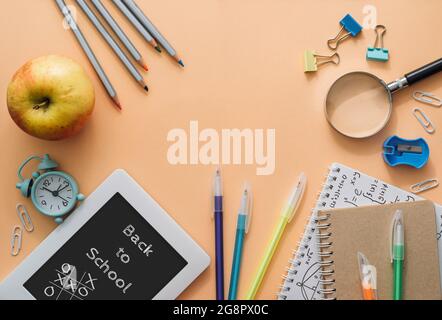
(43,104)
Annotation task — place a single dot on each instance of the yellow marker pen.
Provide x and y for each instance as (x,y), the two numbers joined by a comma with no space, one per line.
(286,216)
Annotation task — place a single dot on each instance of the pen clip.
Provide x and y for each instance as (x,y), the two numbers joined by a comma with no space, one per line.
(295,198)
(217,191)
(396,218)
(246,206)
(367,273)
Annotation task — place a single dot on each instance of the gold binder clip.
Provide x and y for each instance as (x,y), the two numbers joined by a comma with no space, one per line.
(312,60)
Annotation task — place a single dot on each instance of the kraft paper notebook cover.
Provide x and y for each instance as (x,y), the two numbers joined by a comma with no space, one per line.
(367,229)
(344,187)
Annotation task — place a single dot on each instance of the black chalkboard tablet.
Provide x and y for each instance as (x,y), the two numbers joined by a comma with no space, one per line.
(128,248)
(116,255)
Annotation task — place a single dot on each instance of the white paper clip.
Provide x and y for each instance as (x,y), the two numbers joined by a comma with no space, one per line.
(427,98)
(424,120)
(424,186)
(25,218)
(16,239)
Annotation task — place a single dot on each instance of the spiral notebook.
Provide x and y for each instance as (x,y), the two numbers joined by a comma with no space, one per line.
(370,234)
(344,188)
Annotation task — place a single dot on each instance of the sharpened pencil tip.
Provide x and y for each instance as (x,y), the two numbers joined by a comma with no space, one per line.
(146,88)
(181,63)
(117,103)
(158,49)
(143,64)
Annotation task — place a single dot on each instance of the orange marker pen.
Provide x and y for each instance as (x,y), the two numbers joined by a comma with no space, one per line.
(368,278)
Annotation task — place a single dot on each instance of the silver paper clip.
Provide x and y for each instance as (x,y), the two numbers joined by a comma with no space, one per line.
(424,186)
(424,120)
(25,218)
(427,98)
(16,239)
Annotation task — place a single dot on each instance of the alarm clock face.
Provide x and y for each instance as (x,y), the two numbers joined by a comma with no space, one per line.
(54,194)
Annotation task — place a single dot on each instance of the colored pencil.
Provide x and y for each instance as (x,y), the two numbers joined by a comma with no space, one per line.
(113,44)
(88,51)
(120,33)
(152,29)
(137,25)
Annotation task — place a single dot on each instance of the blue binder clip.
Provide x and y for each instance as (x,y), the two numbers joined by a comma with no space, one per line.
(378,52)
(413,153)
(350,25)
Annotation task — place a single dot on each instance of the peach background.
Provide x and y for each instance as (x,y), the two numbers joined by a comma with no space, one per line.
(243,70)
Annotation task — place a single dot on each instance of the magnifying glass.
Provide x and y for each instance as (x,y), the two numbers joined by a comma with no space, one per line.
(359,104)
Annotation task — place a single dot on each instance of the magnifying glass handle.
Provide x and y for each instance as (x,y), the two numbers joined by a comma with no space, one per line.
(416,76)
(424,72)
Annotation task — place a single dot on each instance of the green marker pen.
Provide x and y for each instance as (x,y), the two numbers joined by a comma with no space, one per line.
(397,253)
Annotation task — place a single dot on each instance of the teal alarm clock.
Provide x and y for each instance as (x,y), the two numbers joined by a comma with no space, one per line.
(53,193)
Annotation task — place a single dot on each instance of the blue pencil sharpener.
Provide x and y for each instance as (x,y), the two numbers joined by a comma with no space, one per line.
(413,153)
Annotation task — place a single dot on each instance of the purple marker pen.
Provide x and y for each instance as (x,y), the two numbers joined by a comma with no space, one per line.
(219,250)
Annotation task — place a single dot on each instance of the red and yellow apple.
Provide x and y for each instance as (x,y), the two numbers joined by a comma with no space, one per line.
(51,97)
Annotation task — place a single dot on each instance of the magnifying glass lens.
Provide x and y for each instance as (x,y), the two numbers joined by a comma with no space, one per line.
(358,105)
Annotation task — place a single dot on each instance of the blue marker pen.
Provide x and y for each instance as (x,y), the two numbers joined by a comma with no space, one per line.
(243,224)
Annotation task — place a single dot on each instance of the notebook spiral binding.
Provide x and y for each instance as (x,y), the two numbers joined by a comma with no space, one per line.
(328,290)
(317,225)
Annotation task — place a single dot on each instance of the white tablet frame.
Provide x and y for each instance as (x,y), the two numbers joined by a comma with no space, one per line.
(119,182)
